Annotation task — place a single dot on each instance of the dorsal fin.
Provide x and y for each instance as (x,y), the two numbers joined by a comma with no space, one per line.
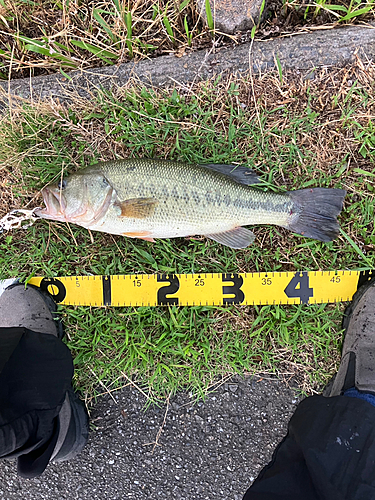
(238,173)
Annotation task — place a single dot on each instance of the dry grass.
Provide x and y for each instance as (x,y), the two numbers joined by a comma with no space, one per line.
(114,31)
(313,132)
(39,37)
(339,117)
(325,96)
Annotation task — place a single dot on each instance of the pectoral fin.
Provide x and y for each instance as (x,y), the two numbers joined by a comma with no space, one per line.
(239,237)
(137,208)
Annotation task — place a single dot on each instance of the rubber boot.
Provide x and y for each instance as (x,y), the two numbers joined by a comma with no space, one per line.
(36,310)
(357,367)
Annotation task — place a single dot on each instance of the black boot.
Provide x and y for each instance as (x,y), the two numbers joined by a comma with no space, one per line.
(36,310)
(357,367)
(30,308)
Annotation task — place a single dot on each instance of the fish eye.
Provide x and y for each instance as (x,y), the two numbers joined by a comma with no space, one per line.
(62,184)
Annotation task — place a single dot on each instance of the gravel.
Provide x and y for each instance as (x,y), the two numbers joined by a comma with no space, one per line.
(207,449)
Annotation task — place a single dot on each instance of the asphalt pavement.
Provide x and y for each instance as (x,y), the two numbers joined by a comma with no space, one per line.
(211,449)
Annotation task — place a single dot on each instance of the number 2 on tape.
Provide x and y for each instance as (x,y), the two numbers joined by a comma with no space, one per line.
(173,287)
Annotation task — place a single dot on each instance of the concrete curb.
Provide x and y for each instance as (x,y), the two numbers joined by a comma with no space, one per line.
(332,47)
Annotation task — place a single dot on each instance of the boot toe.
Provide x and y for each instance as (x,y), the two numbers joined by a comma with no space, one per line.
(29,308)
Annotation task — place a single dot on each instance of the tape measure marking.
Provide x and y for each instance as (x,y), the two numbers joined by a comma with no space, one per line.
(55,287)
(107,292)
(260,288)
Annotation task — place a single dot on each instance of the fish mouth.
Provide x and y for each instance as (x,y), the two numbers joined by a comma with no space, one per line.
(57,208)
(55,205)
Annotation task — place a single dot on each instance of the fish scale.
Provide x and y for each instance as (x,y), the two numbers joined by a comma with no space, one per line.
(196,197)
(151,198)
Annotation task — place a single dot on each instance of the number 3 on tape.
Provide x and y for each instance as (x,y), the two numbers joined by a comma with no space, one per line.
(298,287)
(233,289)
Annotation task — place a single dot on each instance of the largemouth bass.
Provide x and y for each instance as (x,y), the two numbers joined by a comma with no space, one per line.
(147,199)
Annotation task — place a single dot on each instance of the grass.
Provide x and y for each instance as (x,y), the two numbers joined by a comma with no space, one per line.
(38,37)
(300,134)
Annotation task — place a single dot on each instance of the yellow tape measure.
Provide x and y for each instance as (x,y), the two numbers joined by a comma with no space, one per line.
(206,289)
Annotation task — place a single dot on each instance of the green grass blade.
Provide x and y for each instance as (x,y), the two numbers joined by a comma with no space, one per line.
(253,31)
(364,172)
(335,8)
(104,25)
(279,68)
(63,47)
(210,21)
(38,49)
(51,53)
(168,28)
(129,32)
(31,41)
(188,34)
(183,5)
(128,24)
(117,5)
(65,74)
(102,53)
(357,249)
(356,13)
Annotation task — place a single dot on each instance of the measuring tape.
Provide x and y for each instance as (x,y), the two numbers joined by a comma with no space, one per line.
(205,289)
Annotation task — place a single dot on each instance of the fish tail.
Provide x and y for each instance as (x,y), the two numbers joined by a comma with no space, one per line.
(314,212)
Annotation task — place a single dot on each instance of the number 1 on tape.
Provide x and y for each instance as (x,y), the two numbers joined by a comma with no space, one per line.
(302,287)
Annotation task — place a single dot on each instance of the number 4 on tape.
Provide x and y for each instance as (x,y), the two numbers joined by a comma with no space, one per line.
(299,287)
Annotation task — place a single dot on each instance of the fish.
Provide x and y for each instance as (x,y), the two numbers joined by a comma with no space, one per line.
(157,198)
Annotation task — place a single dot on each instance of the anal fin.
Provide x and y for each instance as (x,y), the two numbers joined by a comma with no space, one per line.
(239,237)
